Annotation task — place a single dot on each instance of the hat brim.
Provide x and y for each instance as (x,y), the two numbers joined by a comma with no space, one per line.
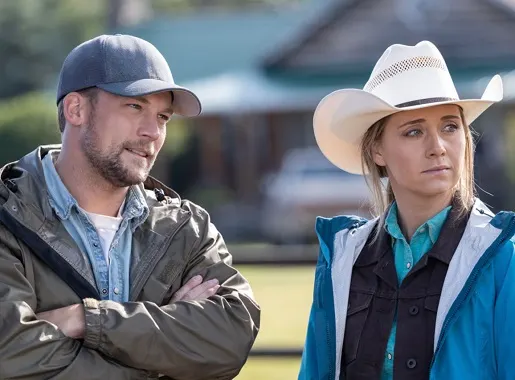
(185,102)
(342,118)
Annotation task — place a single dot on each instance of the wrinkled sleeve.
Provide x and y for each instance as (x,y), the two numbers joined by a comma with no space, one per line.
(207,339)
(32,349)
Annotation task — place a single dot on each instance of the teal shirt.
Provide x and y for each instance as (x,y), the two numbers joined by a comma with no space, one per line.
(406,255)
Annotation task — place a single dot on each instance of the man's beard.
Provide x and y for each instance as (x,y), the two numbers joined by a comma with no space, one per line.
(110,164)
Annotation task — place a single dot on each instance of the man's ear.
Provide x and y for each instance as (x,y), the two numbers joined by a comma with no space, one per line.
(75,109)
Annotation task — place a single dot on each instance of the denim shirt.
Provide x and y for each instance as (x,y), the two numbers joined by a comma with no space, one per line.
(406,255)
(112,279)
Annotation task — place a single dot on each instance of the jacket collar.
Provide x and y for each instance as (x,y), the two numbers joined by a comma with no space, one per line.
(27,176)
(24,203)
(454,222)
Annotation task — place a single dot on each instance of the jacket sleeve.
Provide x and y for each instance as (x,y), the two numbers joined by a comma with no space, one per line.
(504,321)
(308,365)
(31,349)
(207,339)
(317,355)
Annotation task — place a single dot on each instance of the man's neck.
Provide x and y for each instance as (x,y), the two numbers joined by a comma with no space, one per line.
(92,192)
(413,210)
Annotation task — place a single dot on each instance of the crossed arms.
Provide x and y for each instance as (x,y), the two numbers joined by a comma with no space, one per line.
(199,335)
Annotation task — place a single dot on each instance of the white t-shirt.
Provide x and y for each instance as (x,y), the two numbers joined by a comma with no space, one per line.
(106,227)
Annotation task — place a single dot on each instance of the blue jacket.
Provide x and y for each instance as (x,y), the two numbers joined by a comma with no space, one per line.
(475,323)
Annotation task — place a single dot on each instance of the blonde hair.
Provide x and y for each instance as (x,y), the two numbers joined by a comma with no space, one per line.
(382,197)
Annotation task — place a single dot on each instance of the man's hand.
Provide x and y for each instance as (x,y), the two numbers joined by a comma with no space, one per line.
(70,320)
(195,290)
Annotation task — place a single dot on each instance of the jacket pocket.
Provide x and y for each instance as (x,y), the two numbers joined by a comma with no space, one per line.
(357,313)
(431,303)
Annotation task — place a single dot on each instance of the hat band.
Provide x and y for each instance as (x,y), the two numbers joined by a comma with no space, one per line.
(425,101)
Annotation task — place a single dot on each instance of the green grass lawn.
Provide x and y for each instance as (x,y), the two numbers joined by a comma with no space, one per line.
(284,294)
(270,369)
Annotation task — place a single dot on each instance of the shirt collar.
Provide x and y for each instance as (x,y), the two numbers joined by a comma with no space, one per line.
(431,227)
(452,228)
(135,208)
(60,198)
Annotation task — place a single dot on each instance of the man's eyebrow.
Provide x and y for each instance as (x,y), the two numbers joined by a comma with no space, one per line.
(169,110)
(140,99)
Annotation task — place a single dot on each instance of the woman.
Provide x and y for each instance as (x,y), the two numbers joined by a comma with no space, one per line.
(426,290)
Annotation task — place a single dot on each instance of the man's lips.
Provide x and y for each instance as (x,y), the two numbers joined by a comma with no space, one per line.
(141,153)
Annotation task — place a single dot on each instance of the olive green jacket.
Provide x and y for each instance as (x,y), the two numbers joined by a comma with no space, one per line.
(41,268)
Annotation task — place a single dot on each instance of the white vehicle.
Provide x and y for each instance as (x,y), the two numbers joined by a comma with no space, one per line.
(307,186)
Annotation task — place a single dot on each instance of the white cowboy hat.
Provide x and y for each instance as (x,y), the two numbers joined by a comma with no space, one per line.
(404,78)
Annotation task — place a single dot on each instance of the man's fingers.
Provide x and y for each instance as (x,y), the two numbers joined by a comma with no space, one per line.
(200,291)
(187,287)
(208,293)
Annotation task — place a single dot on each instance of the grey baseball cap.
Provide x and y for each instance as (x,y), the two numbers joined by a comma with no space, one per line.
(123,65)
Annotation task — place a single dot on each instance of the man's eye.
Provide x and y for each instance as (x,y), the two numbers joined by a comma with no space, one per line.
(135,106)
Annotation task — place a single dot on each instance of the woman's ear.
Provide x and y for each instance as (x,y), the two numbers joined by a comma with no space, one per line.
(377,154)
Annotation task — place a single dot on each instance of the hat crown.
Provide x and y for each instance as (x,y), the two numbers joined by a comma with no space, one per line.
(111,59)
(406,74)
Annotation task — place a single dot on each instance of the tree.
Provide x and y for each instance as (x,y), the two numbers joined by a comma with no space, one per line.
(36,36)
(26,121)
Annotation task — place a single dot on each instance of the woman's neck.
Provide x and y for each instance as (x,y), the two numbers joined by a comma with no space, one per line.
(413,211)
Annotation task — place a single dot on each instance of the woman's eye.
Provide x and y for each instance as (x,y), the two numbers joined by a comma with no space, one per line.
(451,128)
(413,133)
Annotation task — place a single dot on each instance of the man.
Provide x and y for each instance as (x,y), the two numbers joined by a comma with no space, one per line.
(105,273)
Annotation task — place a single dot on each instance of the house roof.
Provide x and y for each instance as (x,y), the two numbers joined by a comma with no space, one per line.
(253,92)
(350,35)
(288,59)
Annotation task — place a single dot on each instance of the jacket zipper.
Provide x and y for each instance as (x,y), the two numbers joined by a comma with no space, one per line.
(330,351)
(332,367)
(507,232)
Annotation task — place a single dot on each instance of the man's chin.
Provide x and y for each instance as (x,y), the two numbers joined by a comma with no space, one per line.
(128,181)
(136,178)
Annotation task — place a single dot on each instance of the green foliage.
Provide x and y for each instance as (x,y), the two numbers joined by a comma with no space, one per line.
(174,6)
(25,122)
(36,36)
(178,132)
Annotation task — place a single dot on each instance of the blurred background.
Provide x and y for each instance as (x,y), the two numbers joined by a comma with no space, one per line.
(260,67)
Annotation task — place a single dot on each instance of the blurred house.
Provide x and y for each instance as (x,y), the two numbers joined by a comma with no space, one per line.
(260,74)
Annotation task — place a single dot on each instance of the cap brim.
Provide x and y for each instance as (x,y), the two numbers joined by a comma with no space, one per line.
(185,102)
(342,118)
